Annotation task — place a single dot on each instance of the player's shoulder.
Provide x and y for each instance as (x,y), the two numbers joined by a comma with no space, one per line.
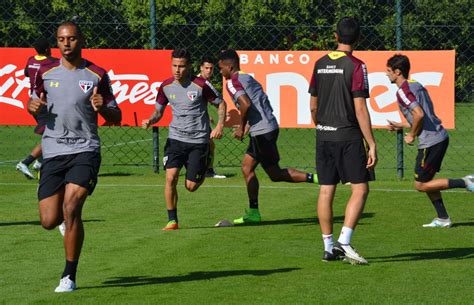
(95,69)
(199,81)
(49,66)
(356,61)
(167,82)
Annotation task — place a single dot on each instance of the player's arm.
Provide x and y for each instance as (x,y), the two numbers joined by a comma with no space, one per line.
(154,118)
(244,104)
(218,132)
(103,101)
(213,96)
(38,96)
(395,126)
(160,105)
(416,126)
(313,106)
(365,124)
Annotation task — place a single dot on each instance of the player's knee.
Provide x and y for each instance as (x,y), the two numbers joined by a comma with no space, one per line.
(192,186)
(48,223)
(172,180)
(420,186)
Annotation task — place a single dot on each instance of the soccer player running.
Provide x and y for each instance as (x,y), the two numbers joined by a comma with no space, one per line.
(416,105)
(345,146)
(189,130)
(74,91)
(207,69)
(33,64)
(257,113)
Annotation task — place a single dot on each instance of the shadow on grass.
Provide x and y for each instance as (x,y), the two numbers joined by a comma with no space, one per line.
(130,281)
(37,223)
(292,221)
(463,224)
(449,253)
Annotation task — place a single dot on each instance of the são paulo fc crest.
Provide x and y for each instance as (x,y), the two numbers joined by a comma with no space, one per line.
(192,95)
(85,85)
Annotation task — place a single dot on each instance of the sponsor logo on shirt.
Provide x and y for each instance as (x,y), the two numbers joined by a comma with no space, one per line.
(71,141)
(85,85)
(54,84)
(331,69)
(325,128)
(192,95)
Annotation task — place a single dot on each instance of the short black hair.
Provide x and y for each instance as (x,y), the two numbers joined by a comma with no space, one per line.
(41,46)
(348,30)
(400,62)
(230,54)
(206,58)
(182,53)
(72,23)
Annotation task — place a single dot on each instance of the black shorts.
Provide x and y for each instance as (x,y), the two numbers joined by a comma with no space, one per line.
(342,161)
(428,161)
(195,157)
(81,169)
(263,148)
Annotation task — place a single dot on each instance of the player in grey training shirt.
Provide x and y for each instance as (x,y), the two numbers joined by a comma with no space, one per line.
(257,113)
(416,105)
(189,130)
(74,91)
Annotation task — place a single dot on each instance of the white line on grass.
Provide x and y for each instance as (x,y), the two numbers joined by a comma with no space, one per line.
(125,143)
(237,186)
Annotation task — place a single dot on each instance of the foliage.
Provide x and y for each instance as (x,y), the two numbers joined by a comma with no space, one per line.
(209,26)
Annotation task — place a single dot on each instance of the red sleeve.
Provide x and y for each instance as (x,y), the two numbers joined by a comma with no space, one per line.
(105,89)
(360,83)
(161,97)
(209,93)
(38,85)
(405,97)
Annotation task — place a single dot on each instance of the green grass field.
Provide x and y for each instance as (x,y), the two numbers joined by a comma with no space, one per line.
(128,259)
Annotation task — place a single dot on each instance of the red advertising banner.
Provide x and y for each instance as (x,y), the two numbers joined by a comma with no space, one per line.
(135,76)
(285,77)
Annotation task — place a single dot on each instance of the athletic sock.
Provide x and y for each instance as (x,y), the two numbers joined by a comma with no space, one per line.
(440,209)
(253,204)
(328,242)
(311,178)
(28,160)
(456,183)
(173,215)
(70,269)
(346,235)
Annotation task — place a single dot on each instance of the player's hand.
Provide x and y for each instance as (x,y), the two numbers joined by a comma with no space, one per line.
(217,132)
(34,105)
(409,138)
(372,158)
(96,100)
(394,126)
(239,133)
(146,124)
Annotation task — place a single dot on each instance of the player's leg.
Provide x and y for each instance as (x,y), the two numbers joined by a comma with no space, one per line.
(196,165)
(325,218)
(171,198)
(267,153)
(74,198)
(252,214)
(428,163)
(328,177)
(210,173)
(51,210)
(174,159)
(51,193)
(351,161)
